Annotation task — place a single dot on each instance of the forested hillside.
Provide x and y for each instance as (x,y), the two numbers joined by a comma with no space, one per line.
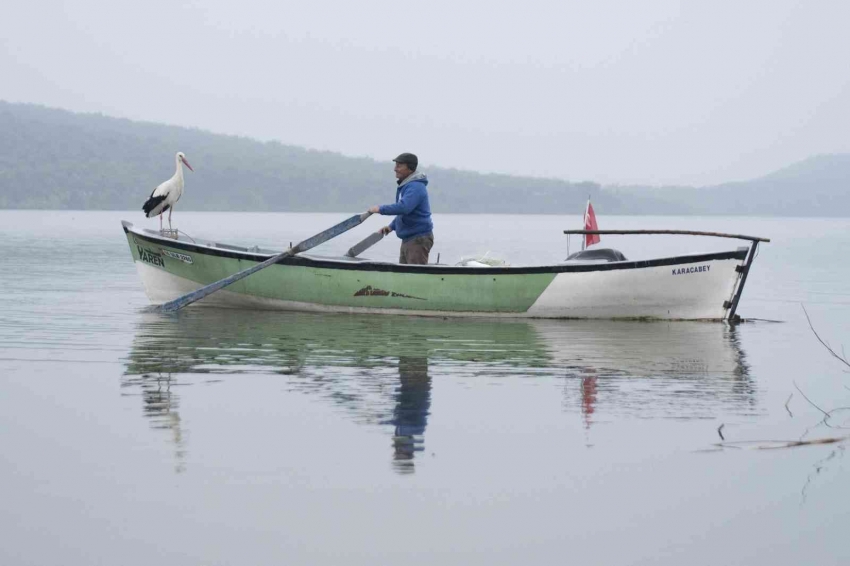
(60,160)
(55,159)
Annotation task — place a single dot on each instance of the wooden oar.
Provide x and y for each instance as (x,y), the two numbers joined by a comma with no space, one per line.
(320,238)
(367,243)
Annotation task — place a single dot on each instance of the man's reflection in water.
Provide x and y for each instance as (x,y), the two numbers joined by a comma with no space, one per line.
(410,415)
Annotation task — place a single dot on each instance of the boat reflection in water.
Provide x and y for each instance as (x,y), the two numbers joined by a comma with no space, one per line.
(379,369)
(680,370)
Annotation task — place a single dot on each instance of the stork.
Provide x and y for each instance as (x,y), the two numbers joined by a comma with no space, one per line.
(165,196)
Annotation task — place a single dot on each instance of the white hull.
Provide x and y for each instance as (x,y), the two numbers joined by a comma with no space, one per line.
(651,292)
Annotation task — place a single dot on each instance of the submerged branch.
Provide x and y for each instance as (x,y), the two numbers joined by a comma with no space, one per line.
(812,403)
(774,444)
(826,414)
(818,468)
(825,345)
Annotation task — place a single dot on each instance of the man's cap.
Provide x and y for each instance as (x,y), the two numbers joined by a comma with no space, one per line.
(408,159)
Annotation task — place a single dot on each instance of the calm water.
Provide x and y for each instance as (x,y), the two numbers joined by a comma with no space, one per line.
(236,437)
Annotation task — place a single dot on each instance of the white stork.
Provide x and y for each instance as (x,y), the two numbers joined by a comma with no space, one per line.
(165,196)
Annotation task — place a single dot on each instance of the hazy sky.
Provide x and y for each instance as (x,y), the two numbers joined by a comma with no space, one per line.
(613,91)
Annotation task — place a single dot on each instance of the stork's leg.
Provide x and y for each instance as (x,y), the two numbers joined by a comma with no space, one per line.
(169,216)
(160,222)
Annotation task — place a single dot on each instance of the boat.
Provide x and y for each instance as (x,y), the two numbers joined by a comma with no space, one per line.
(705,286)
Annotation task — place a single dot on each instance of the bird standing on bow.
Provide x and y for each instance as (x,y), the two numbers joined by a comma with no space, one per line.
(165,196)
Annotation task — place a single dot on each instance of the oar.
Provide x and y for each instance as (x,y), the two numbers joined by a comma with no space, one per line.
(367,243)
(320,238)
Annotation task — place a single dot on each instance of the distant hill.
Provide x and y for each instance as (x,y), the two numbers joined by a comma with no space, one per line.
(55,159)
(817,186)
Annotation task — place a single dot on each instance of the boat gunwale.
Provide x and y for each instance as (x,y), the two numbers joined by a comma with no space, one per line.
(366,265)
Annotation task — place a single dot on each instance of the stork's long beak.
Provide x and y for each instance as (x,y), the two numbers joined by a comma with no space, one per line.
(183,159)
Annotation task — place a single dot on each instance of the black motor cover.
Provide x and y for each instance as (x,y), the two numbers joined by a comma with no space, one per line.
(605,254)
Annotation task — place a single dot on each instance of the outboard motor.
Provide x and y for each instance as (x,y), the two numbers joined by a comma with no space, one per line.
(597,254)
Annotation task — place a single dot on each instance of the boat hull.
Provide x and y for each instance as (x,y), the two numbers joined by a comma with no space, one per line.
(696,287)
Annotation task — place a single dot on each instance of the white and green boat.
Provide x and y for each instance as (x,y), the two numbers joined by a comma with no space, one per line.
(595,284)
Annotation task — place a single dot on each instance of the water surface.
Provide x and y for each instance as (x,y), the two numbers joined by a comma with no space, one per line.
(242,437)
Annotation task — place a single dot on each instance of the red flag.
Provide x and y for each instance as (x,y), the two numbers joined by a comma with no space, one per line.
(590,224)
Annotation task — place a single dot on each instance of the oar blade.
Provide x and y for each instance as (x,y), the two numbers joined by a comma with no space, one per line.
(207,290)
(311,242)
(367,243)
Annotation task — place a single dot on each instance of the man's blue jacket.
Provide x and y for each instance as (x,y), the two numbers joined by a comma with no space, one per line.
(412,209)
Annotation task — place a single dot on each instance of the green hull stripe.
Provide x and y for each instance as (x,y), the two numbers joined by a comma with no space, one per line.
(352,288)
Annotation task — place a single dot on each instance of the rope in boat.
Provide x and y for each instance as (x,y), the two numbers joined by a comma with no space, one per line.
(187,235)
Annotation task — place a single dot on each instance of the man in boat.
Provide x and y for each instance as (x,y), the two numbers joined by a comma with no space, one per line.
(412,211)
